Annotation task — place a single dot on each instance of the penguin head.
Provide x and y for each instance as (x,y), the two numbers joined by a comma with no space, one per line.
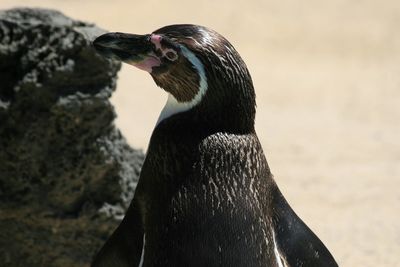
(197,66)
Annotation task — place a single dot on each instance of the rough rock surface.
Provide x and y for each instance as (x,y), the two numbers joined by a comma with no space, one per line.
(61,158)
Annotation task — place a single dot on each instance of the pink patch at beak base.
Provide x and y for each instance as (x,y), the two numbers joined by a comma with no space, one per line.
(156,40)
(147,64)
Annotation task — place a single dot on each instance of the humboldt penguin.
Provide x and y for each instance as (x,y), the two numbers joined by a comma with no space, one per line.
(205,196)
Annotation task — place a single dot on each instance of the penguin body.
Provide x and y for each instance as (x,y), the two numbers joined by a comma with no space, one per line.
(206,196)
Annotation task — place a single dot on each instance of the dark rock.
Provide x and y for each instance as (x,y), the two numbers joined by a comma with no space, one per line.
(66,172)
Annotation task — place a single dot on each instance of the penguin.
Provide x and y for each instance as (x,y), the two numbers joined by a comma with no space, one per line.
(206,195)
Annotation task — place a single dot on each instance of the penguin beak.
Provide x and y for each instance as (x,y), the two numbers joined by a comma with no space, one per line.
(136,50)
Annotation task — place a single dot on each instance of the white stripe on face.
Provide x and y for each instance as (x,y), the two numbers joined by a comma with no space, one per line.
(173,106)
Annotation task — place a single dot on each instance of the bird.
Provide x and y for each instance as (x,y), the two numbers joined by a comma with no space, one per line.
(205,195)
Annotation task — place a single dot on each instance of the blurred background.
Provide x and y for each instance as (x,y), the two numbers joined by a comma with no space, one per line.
(327,78)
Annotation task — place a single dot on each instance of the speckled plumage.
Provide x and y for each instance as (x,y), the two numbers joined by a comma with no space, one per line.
(206,196)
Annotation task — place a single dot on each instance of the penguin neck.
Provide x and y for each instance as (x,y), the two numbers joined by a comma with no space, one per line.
(207,120)
(210,111)
(173,106)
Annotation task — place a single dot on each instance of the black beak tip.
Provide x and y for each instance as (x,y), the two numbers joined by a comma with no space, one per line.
(121,46)
(103,40)
(103,45)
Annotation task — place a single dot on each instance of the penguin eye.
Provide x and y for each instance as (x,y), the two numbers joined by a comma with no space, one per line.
(171,55)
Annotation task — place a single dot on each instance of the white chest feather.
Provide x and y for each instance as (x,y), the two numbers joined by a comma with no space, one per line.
(142,256)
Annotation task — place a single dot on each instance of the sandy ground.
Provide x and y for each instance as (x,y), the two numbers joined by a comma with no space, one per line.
(327,78)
